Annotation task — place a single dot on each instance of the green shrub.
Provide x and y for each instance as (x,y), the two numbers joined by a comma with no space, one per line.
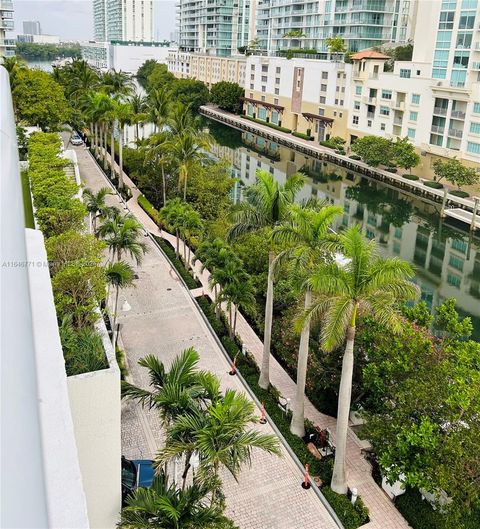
(303,136)
(410,177)
(208,310)
(432,184)
(355,157)
(340,151)
(351,516)
(391,169)
(122,363)
(459,193)
(177,263)
(147,206)
(271,125)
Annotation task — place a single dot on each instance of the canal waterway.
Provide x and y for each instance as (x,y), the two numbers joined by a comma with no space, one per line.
(446,256)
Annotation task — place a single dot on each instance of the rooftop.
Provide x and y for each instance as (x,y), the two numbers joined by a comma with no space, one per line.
(369,54)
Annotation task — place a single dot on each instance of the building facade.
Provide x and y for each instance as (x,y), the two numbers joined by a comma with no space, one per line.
(123,20)
(39,39)
(7,45)
(434,99)
(216,27)
(207,68)
(361,23)
(306,96)
(32,27)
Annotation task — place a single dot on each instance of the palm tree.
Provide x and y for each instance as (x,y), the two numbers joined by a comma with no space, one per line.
(163,506)
(79,78)
(123,115)
(181,119)
(157,153)
(118,84)
(305,233)
(187,149)
(139,106)
(220,436)
(367,285)
(266,205)
(122,235)
(172,214)
(119,275)
(13,65)
(191,226)
(159,102)
(95,203)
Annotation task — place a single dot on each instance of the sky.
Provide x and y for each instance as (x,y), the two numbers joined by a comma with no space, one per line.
(73,19)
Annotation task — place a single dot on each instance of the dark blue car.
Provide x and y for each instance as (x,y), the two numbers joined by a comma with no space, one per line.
(136,473)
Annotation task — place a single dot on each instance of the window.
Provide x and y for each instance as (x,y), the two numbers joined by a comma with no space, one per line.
(277,91)
(251,86)
(264,89)
(323,100)
(278,70)
(275,101)
(475,127)
(252,67)
(337,89)
(467,20)
(369,123)
(277,80)
(413,116)
(249,110)
(336,101)
(398,233)
(446,20)
(456,262)
(473,148)
(355,120)
(324,75)
(341,102)
(386,94)
(459,245)
(384,111)
(454,280)
(356,105)
(476,108)
(321,111)
(274,118)
(264,78)
(263,98)
(418,72)
(382,126)
(411,133)
(265,68)
(437,73)
(405,73)
(440,59)
(358,90)
(443,40)
(252,77)
(262,113)
(415,99)
(323,88)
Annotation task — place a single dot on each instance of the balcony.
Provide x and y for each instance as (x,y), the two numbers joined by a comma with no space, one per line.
(437,129)
(440,111)
(455,133)
(458,114)
(370,115)
(397,121)
(399,105)
(475,66)
(6,5)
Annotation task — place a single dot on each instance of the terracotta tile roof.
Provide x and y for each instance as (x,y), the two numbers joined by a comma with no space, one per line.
(369,54)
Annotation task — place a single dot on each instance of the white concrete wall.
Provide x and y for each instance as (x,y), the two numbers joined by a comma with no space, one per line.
(129,58)
(96,406)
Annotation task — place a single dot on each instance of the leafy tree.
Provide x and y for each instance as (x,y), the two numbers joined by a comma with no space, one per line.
(426,412)
(447,320)
(266,205)
(455,172)
(73,246)
(404,154)
(294,34)
(163,506)
(336,45)
(305,233)
(190,92)
(159,77)
(144,72)
(13,65)
(53,221)
(227,96)
(374,150)
(39,100)
(31,51)
(366,284)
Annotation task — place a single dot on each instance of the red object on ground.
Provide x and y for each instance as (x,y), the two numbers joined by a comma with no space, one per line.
(233,371)
(262,416)
(306,481)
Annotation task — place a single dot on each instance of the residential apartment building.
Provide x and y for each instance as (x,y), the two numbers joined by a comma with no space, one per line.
(207,68)
(361,23)
(307,96)
(123,20)
(215,27)
(32,27)
(7,45)
(433,99)
(39,39)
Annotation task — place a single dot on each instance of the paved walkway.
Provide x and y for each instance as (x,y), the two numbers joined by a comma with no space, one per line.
(164,320)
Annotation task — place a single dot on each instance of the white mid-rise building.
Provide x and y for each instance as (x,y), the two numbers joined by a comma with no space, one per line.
(32,27)
(123,20)
(434,99)
(7,45)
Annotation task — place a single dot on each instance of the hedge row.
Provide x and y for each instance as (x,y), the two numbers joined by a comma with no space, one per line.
(303,136)
(352,516)
(410,177)
(433,185)
(177,263)
(149,209)
(271,125)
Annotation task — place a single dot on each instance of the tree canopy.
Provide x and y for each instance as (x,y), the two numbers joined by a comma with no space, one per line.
(227,96)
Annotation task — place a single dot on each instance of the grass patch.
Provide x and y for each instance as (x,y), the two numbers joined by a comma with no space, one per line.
(177,263)
(352,516)
(149,209)
(433,185)
(27,201)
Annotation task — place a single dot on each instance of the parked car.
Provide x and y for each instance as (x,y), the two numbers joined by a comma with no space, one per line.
(76,140)
(136,473)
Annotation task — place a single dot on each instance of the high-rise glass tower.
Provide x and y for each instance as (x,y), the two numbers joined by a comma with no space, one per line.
(7,46)
(123,20)
(216,27)
(307,23)
(32,27)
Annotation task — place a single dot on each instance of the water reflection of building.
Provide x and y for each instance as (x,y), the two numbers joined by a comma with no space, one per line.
(447,264)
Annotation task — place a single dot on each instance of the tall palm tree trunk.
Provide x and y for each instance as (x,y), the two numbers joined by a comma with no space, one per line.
(120,158)
(264,380)
(115,307)
(112,155)
(177,249)
(105,145)
(339,477)
(164,185)
(95,138)
(235,321)
(297,426)
(185,186)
